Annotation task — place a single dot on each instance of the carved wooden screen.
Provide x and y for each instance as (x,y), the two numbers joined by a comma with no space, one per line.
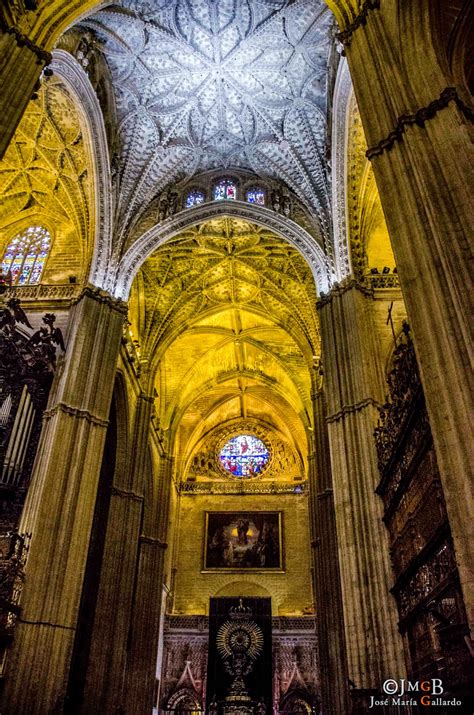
(432,616)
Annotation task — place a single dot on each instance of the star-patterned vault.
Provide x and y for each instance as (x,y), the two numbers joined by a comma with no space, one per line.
(202,84)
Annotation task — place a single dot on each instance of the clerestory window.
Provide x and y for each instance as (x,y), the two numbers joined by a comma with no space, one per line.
(26,255)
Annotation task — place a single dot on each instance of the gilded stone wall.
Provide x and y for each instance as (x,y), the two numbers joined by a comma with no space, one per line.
(290,591)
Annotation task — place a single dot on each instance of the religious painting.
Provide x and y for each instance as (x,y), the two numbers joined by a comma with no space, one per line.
(243,541)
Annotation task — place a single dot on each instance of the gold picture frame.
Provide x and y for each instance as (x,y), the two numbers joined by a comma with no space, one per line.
(243,541)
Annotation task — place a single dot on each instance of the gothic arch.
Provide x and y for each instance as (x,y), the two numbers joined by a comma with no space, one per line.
(342,95)
(71,72)
(159,234)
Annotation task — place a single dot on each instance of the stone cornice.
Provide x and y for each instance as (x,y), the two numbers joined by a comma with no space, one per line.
(101,296)
(341,288)
(75,412)
(345,36)
(43,57)
(125,494)
(350,409)
(419,118)
(152,541)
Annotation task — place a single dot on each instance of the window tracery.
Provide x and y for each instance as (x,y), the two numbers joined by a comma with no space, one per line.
(244,456)
(255,195)
(225,190)
(26,255)
(194,198)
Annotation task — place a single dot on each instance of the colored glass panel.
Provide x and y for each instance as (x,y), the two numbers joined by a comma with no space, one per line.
(244,456)
(194,198)
(256,196)
(26,255)
(225,190)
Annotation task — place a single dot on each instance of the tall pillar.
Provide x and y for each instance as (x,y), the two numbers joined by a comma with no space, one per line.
(353,384)
(60,506)
(327,585)
(21,63)
(143,643)
(419,136)
(115,601)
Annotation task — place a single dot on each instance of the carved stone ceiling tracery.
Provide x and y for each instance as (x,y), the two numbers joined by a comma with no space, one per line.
(46,172)
(229,318)
(202,84)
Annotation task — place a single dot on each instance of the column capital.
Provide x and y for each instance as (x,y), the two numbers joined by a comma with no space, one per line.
(101,296)
(419,117)
(43,57)
(339,289)
(345,36)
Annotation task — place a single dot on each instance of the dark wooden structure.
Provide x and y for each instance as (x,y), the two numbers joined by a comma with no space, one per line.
(431,610)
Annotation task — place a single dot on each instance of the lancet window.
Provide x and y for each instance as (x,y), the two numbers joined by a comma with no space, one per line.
(255,195)
(225,189)
(26,255)
(194,198)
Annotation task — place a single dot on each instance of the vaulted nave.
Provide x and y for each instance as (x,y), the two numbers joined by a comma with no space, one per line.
(236,473)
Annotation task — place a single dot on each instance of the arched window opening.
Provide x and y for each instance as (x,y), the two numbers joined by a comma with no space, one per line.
(225,190)
(255,195)
(244,455)
(26,255)
(194,198)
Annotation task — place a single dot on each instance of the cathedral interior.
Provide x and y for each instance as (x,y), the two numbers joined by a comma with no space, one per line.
(235,344)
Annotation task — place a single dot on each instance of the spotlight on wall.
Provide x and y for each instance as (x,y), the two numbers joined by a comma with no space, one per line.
(386,269)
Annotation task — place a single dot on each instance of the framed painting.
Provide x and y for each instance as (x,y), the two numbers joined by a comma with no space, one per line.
(243,541)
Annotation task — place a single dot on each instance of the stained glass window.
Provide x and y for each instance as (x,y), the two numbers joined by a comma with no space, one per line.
(244,456)
(194,197)
(225,189)
(26,255)
(256,196)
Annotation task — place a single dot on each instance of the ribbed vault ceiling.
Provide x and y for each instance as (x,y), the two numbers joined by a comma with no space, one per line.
(202,84)
(225,312)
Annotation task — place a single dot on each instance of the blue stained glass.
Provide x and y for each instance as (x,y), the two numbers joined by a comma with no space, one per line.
(194,198)
(256,196)
(225,189)
(244,456)
(26,255)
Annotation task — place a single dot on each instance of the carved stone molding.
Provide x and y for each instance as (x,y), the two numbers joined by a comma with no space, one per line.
(124,494)
(419,118)
(35,293)
(346,35)
(343,287)
(243,487)
(75,412)
(350,409)
(152,541)
(101,296)
(68,68)
(43,57)
(341,104)
(170,227)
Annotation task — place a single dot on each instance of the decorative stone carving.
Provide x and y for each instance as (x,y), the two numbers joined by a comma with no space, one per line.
(229,110)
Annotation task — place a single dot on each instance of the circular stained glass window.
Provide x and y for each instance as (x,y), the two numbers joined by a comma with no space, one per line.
(244,456)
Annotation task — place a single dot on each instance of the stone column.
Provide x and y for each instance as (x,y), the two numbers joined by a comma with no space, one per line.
(144,634)
(353,385)
(21,63)
(419,136)
(327,585)
(115,601)
(60,506)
